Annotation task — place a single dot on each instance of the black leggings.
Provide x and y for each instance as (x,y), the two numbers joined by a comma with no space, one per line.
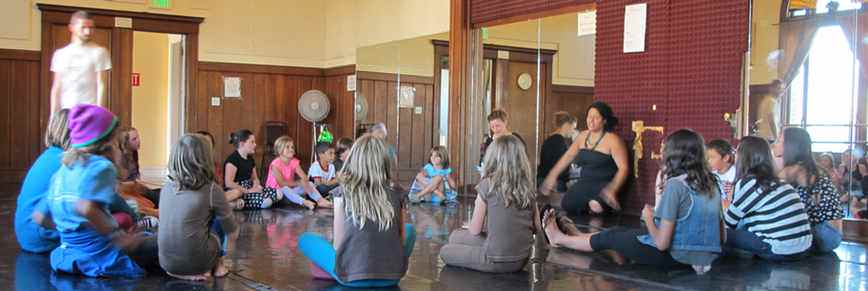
(625,242)
(576,201)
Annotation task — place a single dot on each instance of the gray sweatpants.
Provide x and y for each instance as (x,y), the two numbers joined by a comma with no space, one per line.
(467,250)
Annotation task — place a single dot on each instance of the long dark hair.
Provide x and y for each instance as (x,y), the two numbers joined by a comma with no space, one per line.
(606,112)
(239,136)
(797,150)
(754,158)
(685,155)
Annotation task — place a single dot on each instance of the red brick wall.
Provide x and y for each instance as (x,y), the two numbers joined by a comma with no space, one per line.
(691,70)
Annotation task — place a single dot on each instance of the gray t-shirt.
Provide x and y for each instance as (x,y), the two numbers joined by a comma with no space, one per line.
(675,204)
(186,244)
(368,253)
(510,230)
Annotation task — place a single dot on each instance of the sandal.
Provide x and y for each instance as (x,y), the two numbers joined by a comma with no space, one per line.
(547,212)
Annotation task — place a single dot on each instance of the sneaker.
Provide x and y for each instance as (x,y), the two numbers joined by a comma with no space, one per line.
(148,222)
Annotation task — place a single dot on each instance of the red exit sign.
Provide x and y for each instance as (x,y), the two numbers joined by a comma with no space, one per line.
(136,79)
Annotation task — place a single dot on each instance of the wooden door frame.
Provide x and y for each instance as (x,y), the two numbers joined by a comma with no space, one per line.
(105,18)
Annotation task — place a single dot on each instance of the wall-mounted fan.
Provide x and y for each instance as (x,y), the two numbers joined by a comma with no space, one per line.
(361,108)
(314,107)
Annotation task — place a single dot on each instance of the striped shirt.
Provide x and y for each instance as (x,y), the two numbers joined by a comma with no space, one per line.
(774,214)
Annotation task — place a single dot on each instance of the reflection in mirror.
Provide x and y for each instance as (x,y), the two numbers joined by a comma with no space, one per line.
(808,69)
(406,88)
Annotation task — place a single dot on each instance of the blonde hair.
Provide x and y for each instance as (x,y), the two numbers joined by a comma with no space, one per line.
(442,153)
(365,178)
(508,171)
(191,164)
(57,133)
(281,144)
(103,147)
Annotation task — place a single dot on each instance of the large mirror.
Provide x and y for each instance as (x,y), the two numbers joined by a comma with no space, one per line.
(808,69)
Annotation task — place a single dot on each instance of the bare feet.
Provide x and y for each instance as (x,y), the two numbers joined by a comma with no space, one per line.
(612,201)
(220,269)
(309,204)
(322,203)
(595,207)
(237,204)
(550,228)
(615,256)
(200,277)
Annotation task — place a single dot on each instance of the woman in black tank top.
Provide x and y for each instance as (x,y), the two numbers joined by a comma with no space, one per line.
(600,165)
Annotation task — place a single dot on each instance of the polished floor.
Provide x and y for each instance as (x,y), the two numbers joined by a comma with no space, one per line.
(266,259)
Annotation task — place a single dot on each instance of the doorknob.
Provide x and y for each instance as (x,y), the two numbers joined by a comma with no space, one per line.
(638,148)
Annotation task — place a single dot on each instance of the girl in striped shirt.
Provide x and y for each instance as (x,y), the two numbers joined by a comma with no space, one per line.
(766,217)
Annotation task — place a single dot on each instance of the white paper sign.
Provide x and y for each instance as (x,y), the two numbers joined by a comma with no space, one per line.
(587,23)
(407,96)
(232,87)
(634,27)
(351,83)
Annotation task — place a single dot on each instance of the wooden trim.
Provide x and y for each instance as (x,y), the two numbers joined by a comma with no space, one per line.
(377,76)
(572,89)
(591,5)
(260,69)
(760,89)
(493,48)
(142,21)
(23,55)
(459,31)
(338,71)
(855,230)
(117,13)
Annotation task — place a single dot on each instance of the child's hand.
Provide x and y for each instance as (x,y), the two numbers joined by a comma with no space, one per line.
(648,213)
(127,241)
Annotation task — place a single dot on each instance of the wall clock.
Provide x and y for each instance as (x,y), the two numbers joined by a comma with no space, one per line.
(525,81)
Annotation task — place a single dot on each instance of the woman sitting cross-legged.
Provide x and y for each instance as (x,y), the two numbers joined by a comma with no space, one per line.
(685,229)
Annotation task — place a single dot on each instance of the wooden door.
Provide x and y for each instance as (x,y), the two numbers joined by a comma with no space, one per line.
(521,104)
(415,131)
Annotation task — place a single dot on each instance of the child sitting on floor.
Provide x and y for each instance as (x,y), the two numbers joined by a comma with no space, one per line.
(342,148)
(197,219)
(322,172)
(78,202)
(721,158)
(240,170)
(434,182)
(766,217)
(282,173)
(371,243)
(506,202)
(685,228)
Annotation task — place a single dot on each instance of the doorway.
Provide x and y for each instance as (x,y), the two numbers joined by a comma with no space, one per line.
(157,98)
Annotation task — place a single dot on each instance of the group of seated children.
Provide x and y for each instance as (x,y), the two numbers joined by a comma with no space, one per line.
(778,216)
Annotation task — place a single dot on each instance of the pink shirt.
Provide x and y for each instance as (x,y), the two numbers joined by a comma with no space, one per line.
(287,172)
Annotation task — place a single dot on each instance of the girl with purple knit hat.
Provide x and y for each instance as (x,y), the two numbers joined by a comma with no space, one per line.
(78,202)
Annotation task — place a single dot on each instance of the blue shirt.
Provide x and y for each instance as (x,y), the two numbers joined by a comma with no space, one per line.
(431,171)
(93,179)
(31,236)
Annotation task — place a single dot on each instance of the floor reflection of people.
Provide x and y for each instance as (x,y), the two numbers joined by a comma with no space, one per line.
(32,271)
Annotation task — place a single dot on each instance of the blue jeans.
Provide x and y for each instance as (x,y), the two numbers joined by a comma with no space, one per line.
(321,252)
(745,240)
(826,238)
(217,229)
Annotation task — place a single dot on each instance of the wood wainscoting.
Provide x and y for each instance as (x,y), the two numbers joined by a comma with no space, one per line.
(20,138)
(268,93)
(410,129)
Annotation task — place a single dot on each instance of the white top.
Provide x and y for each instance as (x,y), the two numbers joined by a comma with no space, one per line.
(768,117)
(725,181)
(79,65)
(317,172)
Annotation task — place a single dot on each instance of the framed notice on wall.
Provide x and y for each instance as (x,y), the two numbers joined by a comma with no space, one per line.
(635,17)
(232,87)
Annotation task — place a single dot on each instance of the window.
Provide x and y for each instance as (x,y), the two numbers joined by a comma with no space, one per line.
(800,8)
(822,97)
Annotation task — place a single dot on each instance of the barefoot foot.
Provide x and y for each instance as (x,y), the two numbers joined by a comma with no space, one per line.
(200,277)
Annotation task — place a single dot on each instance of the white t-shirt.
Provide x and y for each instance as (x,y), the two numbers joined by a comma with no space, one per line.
(317,172)
(725,181)
(79,65)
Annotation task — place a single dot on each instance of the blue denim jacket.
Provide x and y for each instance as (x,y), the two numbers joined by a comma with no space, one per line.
(699,230)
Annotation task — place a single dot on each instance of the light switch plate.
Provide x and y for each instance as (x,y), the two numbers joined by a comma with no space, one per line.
(417,110)
(215,101)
